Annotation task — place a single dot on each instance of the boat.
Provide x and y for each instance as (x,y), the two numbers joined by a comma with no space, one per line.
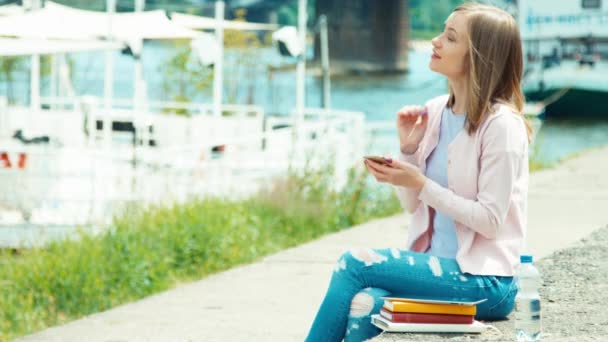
(566,56)
(68,160)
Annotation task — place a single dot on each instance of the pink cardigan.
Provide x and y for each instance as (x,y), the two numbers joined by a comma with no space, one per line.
(486,195)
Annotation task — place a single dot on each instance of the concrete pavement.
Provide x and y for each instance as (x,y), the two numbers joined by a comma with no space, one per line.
(276,298)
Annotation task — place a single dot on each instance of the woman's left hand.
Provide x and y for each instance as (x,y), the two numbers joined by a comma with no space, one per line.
(397,172)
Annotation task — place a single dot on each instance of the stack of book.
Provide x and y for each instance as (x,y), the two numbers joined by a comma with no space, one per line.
(426,315)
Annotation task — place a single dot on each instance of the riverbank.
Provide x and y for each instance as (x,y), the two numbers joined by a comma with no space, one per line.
(275,299)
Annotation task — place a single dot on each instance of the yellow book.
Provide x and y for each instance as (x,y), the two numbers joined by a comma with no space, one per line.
(415,307)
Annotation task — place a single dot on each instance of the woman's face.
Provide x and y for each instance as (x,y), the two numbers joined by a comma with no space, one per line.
(451,47)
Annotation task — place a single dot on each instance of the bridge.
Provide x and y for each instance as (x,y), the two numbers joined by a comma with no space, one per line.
(364,35)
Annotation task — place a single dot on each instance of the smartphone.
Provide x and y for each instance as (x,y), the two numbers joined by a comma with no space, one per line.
(377,159)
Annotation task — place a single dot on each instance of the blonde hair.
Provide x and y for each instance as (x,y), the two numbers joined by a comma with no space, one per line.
(494,64)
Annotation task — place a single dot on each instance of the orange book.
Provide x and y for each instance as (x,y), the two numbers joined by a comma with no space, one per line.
(404,305)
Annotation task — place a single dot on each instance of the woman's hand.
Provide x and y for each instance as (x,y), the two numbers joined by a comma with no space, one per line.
(411,125)
(397,172)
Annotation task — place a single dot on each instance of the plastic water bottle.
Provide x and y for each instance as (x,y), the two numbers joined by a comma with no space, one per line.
(528,323)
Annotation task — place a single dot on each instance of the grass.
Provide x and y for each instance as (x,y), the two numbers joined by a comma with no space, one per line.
(148,250)
(536,162)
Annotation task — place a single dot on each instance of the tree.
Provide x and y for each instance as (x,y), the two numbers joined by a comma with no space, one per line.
(242,58)
(184,76)
(430,15)
(288,13)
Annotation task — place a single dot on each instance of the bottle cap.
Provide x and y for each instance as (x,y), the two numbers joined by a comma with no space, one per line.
(525,258)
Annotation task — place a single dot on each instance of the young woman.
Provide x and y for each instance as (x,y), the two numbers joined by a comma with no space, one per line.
(462,173)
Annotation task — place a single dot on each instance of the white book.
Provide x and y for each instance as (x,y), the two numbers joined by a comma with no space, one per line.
(435,301)
(475,328)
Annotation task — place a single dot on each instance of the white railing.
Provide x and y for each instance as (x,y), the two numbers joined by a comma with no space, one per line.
(381,137)
(189,108)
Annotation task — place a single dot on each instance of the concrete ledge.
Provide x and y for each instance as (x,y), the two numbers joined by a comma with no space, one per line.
(574,293)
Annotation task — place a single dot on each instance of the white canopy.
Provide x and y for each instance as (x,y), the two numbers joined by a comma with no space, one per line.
(205,23)
(288,38)
(11,9)
(10,47)
(62,22)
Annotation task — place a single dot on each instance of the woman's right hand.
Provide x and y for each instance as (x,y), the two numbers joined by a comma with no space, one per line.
(411,125)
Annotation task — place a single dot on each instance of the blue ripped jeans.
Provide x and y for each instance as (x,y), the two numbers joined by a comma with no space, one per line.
(361,277)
